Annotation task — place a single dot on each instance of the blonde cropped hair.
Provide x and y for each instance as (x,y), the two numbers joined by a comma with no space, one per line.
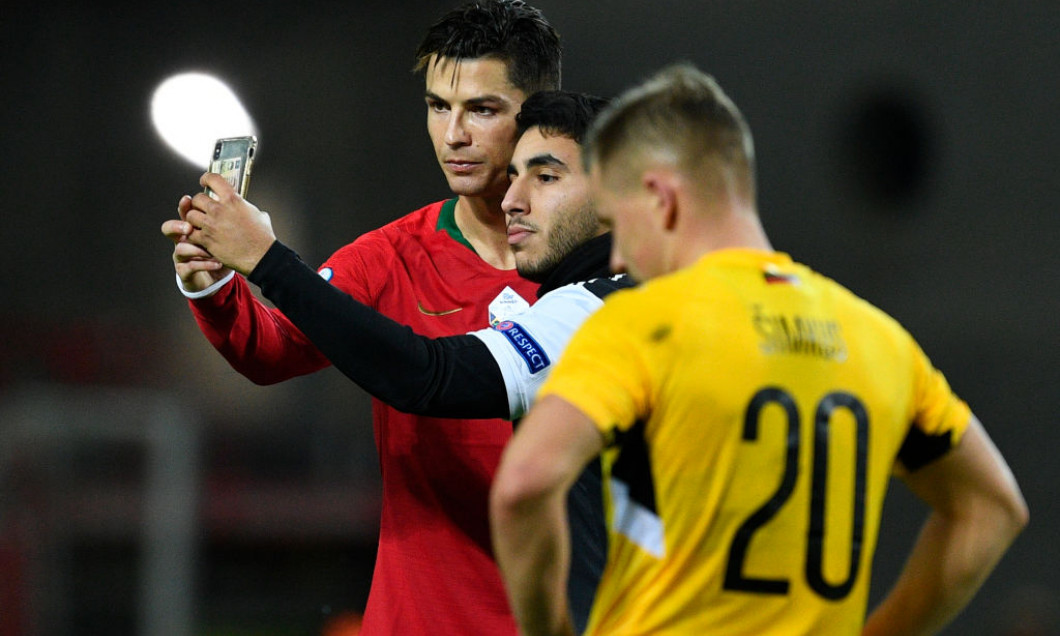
(680,116)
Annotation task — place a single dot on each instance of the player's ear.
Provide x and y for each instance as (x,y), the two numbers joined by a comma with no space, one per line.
(662,188)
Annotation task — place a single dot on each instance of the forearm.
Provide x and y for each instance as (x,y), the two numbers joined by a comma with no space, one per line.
(528,511)
(950,561)
(977,512)
(445,377)
(533,551)
(257,342)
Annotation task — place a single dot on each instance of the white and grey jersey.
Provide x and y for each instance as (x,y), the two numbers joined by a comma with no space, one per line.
(526,348)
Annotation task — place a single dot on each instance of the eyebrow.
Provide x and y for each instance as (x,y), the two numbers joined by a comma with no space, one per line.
(474,101)
(545,160)
(497,99)
(536,161)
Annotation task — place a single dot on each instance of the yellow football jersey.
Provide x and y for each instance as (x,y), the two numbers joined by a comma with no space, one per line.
(754,412)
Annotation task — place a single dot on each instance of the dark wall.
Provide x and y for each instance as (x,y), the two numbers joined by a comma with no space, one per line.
(907,150)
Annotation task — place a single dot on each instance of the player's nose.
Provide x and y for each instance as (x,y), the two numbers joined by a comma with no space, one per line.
(515,201)
(456,134)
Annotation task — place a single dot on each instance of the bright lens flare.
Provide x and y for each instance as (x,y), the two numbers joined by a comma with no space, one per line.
(193,110)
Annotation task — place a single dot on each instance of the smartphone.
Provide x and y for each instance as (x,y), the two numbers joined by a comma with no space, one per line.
(232,159)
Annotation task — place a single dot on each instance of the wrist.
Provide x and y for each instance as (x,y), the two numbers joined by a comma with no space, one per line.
(247,265)
(209,291)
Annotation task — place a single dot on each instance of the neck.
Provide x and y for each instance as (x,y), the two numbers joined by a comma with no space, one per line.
(481,221)
(589,260)
(739,228)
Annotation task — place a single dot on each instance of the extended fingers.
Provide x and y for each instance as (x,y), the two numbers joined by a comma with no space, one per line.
(202,202)
(185,268)
(195,218)
(176,229)
(187,252)
(218,184)
(183,205)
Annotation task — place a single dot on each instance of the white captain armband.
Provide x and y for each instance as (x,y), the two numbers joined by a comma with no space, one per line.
(209,291)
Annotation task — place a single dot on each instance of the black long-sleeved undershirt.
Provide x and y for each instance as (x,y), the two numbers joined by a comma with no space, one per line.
(455,376)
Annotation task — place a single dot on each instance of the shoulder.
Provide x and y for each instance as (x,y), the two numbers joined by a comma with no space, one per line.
(604,286)
(860,313)
(359,266)
(581,298)
(385,239)
(418,222)
(634,311)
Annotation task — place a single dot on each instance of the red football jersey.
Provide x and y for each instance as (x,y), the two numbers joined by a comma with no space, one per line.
(434,570)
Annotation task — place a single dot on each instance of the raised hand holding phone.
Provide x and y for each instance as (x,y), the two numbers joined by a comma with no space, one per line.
(218,230)
(233,230)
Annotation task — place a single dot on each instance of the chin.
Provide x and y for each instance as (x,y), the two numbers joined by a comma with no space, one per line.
(476,187)
(467,186)
(532,272)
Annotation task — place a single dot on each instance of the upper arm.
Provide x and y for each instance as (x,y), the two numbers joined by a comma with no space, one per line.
(551,446)
(972,477)
(526,348)
(348,268)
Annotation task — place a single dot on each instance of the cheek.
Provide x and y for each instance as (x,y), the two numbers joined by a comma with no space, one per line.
(633,238)
(500,135)
(555,214)
(436,131)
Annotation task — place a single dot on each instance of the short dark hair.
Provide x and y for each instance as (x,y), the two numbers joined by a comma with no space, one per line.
(507,30)
(563,113)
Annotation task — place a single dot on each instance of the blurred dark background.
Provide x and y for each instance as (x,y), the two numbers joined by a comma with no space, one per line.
(908,150)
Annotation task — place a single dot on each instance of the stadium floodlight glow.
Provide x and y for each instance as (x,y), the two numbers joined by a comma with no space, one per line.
(191,111)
